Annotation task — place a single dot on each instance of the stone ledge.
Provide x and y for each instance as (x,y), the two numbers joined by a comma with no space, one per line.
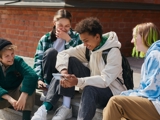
(37,4)
(2,3)
(135,63)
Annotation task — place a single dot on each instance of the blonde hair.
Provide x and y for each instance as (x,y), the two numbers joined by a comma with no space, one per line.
(8,47)
(149,33)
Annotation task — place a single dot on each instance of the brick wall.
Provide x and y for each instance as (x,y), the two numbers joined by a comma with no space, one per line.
(24,26)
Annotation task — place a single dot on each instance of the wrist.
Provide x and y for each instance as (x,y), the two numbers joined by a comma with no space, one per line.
(68,39)
(24,95)
(64,71)
(6,97)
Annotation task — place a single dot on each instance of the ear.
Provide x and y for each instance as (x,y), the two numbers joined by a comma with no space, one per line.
(54,23)
(97,36)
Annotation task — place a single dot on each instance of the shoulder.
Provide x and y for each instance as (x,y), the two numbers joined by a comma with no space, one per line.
(45,37)
(73,33)
(153,56)
(17,58)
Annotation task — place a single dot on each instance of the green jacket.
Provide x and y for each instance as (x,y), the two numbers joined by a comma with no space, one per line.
(16,74)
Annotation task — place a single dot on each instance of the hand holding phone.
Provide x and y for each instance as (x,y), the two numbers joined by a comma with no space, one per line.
(57,76)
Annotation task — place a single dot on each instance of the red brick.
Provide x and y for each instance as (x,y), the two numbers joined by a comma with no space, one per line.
(25,26)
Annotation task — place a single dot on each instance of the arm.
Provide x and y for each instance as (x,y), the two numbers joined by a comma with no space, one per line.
(111,71)
(30,78)
(20,104)
(4,95)
(38,58)
(150,82)
(10,100)
(63,57)
(74,41)
(2,92)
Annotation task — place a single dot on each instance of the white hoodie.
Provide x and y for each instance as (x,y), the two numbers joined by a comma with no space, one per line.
(102,75)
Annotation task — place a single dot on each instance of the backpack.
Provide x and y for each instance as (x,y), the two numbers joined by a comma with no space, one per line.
(127,71)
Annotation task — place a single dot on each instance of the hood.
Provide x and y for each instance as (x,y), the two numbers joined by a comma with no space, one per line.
(154,46)
(112,41)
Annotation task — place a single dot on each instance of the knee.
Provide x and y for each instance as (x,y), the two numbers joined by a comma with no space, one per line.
(89,90)
(72,59)
(50,52)
(115,99)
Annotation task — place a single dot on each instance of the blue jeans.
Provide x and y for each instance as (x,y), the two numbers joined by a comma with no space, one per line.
(55,90)
(93,97)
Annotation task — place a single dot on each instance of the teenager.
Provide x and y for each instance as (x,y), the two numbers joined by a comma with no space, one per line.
(60,38)
(99,79)
(142,103)
(18,81)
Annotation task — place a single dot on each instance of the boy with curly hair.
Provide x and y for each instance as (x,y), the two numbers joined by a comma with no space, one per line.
(99,79)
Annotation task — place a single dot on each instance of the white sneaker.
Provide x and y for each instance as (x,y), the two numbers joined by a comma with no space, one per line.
(62,113)
(40,114)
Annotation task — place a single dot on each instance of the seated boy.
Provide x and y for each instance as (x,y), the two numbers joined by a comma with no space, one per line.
(101,81)
(17,81)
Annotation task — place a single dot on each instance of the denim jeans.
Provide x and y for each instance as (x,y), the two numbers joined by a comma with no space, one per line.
(93,97)
(55,90)
(48,64)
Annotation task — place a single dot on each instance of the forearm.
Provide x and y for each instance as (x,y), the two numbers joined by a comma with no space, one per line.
(23,95)
(6,97)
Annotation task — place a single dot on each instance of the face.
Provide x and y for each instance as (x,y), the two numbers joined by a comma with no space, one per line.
(7,57)
(138,41)
(63,24)
(90,41)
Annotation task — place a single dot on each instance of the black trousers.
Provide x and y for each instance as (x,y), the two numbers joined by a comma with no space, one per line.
(55,90)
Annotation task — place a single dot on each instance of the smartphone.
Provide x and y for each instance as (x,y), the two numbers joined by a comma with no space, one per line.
(57,76)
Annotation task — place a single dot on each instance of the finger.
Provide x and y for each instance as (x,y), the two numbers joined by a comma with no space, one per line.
(21,107)
(61,82)
(15,107)
(40,86)
(44,85)
(73,76)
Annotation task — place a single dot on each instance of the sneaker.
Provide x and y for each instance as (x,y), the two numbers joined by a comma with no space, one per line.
(40,114)
(62,113)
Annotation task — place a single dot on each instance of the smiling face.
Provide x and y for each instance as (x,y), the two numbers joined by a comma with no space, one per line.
(137,40)
(90,41)
(7,57)
(63,24)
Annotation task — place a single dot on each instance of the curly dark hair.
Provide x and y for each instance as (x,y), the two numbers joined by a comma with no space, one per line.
(90,25)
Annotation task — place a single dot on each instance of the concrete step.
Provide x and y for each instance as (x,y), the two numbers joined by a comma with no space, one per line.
(74,103)
(10,114)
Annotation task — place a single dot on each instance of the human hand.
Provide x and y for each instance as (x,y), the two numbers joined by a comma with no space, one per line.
(64,71)
(42,85)
(20,105)
(12,102)
(68,81)
(63,35)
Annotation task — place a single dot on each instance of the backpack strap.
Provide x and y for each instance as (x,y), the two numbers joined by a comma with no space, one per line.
(105,54)
(87,54)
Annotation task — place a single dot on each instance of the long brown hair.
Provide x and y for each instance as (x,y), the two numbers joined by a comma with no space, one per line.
(62,13)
